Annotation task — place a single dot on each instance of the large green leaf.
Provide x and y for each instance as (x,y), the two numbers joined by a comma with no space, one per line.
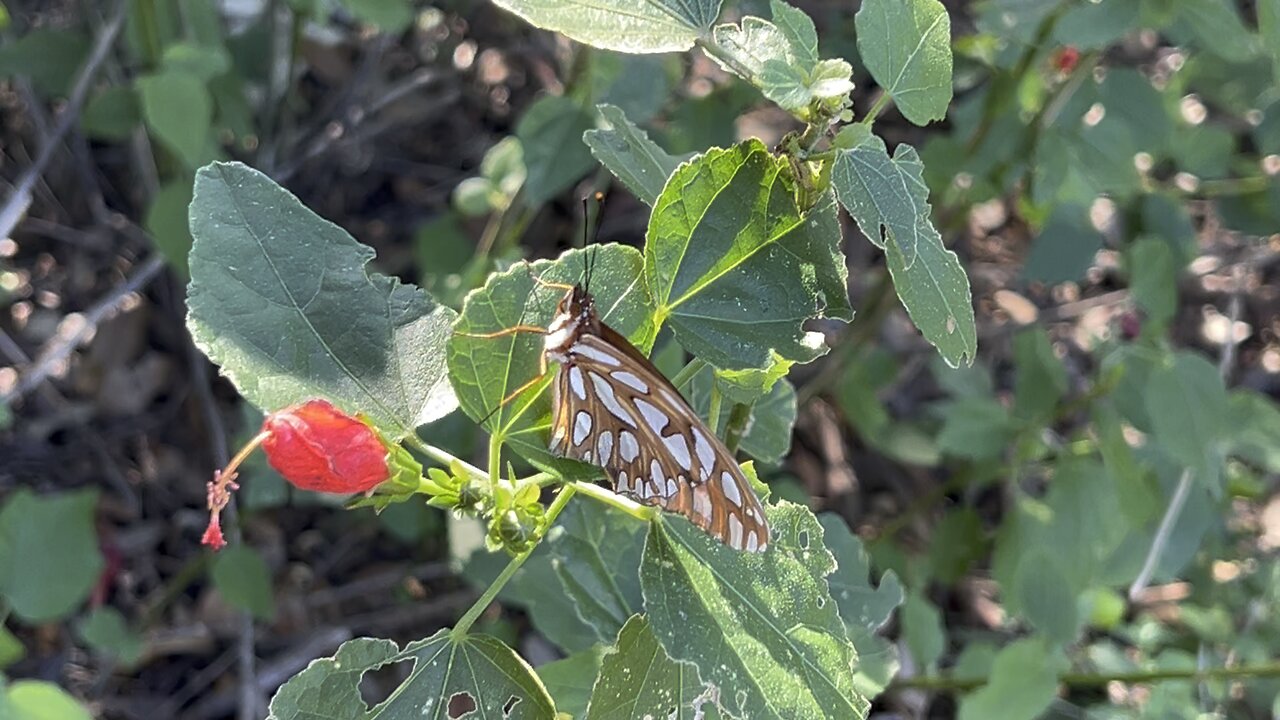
(906,45)
(1023,681)
(486,370)
(647,26)
(1047,599)
(49,557)
(179,111)
(638,679)
(569,680)
(449,675)
(1188,407)
(630,155)
(38,700)
(769,424)
(1040,380)
(863,608)
(596,554)
(281,299)
(1269,28)
(551,134)
(889,195)
(734,266)
(762,627)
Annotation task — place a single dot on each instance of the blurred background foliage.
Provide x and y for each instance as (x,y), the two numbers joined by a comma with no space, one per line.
(1083,524)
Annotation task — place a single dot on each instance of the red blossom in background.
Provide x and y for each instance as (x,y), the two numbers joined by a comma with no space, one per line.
(1065,59)
(314,446)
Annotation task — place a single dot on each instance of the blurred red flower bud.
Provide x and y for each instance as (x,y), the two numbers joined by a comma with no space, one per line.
(1065,59)
(315,446)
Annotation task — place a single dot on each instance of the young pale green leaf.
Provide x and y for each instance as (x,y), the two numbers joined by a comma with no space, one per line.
(735,267)
(785,84)
(486,370)
(638,679)
(242,577)
(49,557)
(1041,380)
(38,700)
(569,680)
(179,110)
(596,554)
(888,195)
(761,627)
(1023,681)
(1188,407)
(1047,599)
(630,155)
(907,47)
(751,44)
(551,134)
(772,416)
(281,299)
(650,26)
(863,608)
(798,29)
(448,673)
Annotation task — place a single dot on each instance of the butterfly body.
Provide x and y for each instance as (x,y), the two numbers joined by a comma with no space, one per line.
(614,409)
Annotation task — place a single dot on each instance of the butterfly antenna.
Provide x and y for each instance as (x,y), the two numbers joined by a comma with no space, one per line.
(590,250)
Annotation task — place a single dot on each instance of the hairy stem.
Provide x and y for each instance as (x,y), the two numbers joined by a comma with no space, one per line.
(441,456)
(630,507)
(686,373)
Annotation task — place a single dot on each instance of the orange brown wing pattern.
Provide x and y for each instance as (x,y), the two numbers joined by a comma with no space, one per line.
(614,409)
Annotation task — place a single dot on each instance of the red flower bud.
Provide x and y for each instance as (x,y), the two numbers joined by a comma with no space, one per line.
(1065,59)
(314,446)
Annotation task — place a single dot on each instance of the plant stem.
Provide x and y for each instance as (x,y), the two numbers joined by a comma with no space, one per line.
(441,456)
(630,507)
(686,374)
(953,684)
(495,462)
(881,102)
(473,613)
(713,412)
(736,427)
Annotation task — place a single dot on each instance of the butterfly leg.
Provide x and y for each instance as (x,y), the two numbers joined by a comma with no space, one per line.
(542,373)
(507,331)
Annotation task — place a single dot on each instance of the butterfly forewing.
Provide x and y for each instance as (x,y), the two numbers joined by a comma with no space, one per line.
(614,409)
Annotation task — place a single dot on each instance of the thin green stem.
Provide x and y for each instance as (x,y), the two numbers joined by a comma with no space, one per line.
(736,427)
(473,613)
(713,412)
(441,456)
(645,513)
(541,479)
(686,373)
(495,461)
(880,104)
(954,684)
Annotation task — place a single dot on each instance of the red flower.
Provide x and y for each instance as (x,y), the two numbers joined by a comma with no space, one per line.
(1065,59)
(314,446)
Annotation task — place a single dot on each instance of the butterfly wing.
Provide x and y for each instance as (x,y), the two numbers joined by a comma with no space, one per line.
(614,409)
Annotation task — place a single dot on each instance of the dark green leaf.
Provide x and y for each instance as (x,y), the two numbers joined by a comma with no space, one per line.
(11,650)
(734,266)
(889,200)
(768,428)
(638,679)
(922,629)
(1257,435)
(179,111)
(551,133)
(569,680)
(761,626)
(1065,247)
(1269,29)
(242,577)
(49,557)
(475,668)
(1023,681)
(1217,28)
(1134,486)
(106,631)
(958,543)
(1153,278)
(596,554)
(389,15)
(638,85)
(1041,380)
(907,47)
(1095,25)
(630,155)
(650,27)
(1047,600)
(167,222)
(50,58)
(205,62)
(486,370)
(112,114)
(1188,407)
(281,299)
(976,428)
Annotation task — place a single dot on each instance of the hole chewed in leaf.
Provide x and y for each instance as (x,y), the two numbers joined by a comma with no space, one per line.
(803,539)
(377,684)
(461,704)
(509,706)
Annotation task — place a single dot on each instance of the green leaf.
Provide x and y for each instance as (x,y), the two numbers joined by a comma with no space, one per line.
(1095,25)
(112,114)
(864,609)
(166,220)
(771,419)
(39,700)
(725,221)
(630,155)
(785,84)
(1041,380)
(922,629)
(752,44)
(1257,437)
(761,626)
(1023,681)
(242,577)
(273,294)
(958,542)
(1153,278)
(1065,247)
(11,649)
(551,133)
(638,85)
(595,551)
(50,58)
(652,26)
(976,428)
(638,679)
(448,673)
(1134,486)
(179,111)
(388,15)
(1188,407)
(798,29)
(486,370)
(106,631)
(569,680)
(49,556)
(907,47)
(888,195)
(205,62)
(1218,29)
(1047,600)
(1269,29)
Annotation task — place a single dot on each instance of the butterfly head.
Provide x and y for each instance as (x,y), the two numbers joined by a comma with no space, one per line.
(575,312)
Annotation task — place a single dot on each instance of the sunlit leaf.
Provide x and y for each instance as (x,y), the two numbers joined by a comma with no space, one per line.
(906,45)
(49,556)
(798,29)
(282,300)
(735,268)
(630,155)
(649,26)
(638,679)
(768,426)
(38,700)
(448,675)
(761,627)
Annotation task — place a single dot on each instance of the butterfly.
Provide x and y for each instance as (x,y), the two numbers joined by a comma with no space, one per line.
(614,409)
